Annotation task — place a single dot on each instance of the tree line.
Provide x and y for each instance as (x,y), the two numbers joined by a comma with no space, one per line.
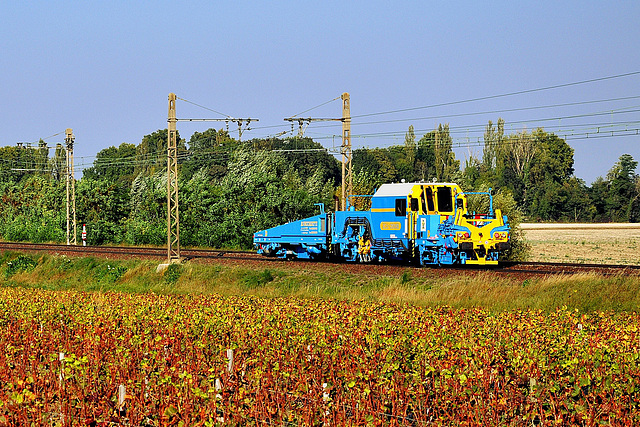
(535,168)
(229,189)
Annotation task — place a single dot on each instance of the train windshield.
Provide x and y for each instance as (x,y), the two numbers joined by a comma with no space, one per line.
(429,194)
(445,201)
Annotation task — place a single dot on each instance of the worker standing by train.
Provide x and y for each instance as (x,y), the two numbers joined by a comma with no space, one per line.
(364,249)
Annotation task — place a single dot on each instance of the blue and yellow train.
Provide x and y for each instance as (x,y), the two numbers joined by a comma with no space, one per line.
(423,223)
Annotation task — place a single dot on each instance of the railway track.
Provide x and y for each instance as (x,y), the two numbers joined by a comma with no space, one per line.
(568,268)
(123,252)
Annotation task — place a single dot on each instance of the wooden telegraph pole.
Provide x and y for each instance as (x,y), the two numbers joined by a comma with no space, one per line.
(71,189)
(173,218)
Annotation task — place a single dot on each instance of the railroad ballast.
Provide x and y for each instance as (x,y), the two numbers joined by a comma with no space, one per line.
(423,223)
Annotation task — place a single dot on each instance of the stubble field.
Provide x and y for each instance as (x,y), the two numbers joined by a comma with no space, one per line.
(584,243)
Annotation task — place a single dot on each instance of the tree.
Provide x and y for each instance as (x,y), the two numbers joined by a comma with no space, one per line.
(622,189)
(426,157)
(113,164)
(410,148)
(58,163)
(514,161)
(377,163)
(578,207)
(20,162)
(103,207)
(307,163)
(209,150)
(493,144)
(151,153)
(549,171)
(446,165)
(472,175)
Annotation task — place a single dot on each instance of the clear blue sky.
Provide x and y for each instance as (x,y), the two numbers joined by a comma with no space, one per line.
(105,69)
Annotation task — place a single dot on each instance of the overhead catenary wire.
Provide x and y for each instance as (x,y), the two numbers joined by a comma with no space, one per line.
(203,107)
(477,113)
(225,153)
(570,134)
(599,130)
(317,106)
(455,143)
(503,95)
(481,126)
(473,132)
(469,127)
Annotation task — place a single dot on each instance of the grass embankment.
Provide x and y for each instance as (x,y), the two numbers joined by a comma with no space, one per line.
(412,286)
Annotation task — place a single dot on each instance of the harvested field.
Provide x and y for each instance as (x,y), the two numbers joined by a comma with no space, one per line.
(585,243)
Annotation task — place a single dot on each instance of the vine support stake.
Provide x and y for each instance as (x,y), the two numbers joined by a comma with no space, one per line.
(229,360)
(122,393)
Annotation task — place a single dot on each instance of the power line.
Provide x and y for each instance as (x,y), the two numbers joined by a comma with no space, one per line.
(202,106)
(481,127)
(317,106)
(509,110)
(484,98)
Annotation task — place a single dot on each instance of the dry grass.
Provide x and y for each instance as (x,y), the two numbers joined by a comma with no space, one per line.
(594,245)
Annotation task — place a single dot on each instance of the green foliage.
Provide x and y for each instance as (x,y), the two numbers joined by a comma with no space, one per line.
(208,152)
(260,191)
(504,201)
(19,264)
(622,189)
(406,277)
(22,162)
(141,232)
(549,171)
(520,249)
(110,273)
(255,279)
(172,273)
(151,153)
(113,164)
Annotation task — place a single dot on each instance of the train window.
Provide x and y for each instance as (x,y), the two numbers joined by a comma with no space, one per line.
(414,204)
(445,202)
(459,203)
(430,206)
(401,207)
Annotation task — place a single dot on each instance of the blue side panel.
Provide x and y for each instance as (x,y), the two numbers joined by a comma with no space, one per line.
(385,233)
(348,228)
(429,242)
(304,239)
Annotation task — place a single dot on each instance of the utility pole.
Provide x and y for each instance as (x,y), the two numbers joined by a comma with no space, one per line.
(345,150)
(71,189)
(173,213)
(173,218)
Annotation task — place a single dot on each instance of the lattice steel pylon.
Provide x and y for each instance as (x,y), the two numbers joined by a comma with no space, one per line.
(345,150)
(173,217)
(71,189)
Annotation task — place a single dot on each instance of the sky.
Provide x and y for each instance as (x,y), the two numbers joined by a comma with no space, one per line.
(105,69)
